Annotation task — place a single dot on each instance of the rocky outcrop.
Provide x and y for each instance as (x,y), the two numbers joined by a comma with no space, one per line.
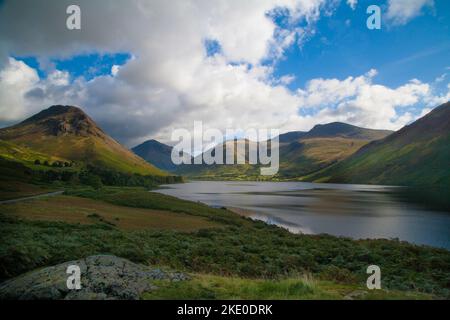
(102,277)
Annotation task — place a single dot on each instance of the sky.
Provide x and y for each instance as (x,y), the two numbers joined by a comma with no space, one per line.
(142,69)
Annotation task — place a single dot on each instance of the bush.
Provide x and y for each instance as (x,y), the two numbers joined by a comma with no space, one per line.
(91,180)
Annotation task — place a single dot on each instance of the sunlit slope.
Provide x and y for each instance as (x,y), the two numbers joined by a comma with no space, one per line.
(418,154)
(309,155)
(67,132)
(300,153)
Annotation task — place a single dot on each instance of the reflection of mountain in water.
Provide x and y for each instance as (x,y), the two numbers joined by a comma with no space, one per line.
(357,211)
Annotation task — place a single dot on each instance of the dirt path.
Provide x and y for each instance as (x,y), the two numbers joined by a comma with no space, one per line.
(50,194)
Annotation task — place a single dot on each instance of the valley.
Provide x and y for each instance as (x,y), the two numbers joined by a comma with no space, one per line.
(109,206)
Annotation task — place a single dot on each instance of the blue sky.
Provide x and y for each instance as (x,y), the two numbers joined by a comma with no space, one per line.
(150,62)
(87,66)
(344,46)
(341,46)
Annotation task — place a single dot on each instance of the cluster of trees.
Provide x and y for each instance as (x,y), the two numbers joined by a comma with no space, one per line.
(115,178)
(96,177)
(55,164)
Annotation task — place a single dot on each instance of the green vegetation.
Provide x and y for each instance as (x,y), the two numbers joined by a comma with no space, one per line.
(87,211)
(417,155)
(297,158)
(19,180)
(66,134)
(415,164)
(302,287)
(239,248)
(107,209)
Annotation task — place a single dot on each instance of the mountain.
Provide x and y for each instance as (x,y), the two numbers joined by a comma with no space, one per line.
(418,154)
(156,153)
(335,130)
(67,133)
(301,153)
(218,171)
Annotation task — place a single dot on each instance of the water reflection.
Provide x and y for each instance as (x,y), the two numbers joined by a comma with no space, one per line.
(357,211)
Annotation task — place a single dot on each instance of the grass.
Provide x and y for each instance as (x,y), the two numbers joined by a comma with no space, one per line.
(418,163)
(141,198)
(297,159)
(23,154)
(86,211)
(83,150)
(17,189)
(240,248)
(207,287)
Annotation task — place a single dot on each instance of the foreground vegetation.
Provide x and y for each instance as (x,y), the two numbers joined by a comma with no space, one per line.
(237,247)
(87,211)
(203,286)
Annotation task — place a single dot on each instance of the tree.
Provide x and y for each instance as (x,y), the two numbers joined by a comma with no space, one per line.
(37,162)
(91,180)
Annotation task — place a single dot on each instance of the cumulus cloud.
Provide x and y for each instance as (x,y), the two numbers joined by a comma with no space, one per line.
(359,101)
(16,79)
(171,81)
(171,74)
(400,12)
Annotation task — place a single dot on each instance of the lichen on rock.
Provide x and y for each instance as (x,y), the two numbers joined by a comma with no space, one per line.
(102,277)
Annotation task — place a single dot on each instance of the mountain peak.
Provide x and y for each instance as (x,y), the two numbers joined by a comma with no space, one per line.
(346,130)
(61,120)
(332,128)
(335,129)
(67,132)
(52,111)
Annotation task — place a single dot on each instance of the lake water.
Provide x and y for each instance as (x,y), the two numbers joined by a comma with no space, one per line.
(356,211)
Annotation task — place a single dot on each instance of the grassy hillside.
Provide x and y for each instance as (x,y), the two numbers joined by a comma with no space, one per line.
(157,154)
(63,132)
(86,211)
(300,153)
(312,154)
(417,155)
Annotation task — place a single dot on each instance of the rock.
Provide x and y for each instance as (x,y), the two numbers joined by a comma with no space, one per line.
(357,294)
(102,277)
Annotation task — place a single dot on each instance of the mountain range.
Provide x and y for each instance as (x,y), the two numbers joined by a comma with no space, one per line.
(418,154)
(301,153)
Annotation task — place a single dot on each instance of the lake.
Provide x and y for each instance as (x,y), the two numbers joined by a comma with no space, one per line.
(356,211)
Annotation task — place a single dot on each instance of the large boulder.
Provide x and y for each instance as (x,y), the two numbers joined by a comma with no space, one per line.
(102,277)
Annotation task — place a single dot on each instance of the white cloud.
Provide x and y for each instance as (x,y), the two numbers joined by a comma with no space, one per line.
(287,79)
(361,102)
(115,69)
(170,82)
(400,12)
(16,78)
(441,77)
(352,3)
(434,100)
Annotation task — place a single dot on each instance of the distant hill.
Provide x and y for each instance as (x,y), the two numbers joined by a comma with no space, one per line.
(418,154)
(335,130)
(218,171)
(301,153)
(67,133)
(156,153)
